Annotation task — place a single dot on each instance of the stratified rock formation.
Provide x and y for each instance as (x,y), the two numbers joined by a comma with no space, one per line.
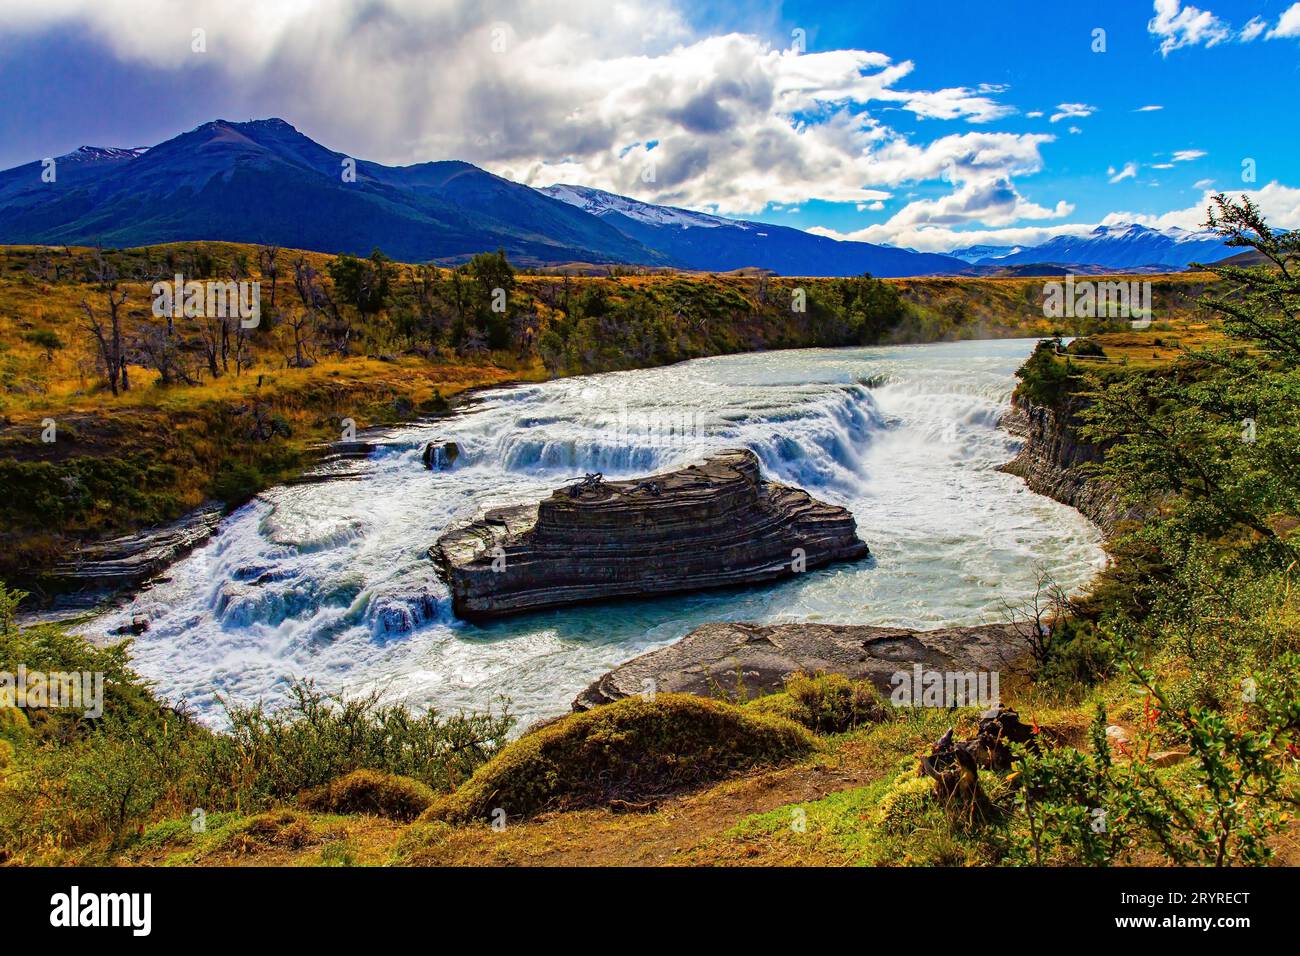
(746,660)
(1054,462)
(708,525)
(134,558)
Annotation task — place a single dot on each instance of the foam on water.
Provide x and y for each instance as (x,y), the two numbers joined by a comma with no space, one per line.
(331,581)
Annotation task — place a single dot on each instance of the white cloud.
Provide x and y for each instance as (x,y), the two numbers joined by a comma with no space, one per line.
(1253,28)
(738,123)
(1203,184)
(1279,204)
(945,239)
(1147,109)
(1288,25)
(1068,110)
(1162,165)
(1178,26)
(991,200)
(1187,155)
(1116,176)
(973,105)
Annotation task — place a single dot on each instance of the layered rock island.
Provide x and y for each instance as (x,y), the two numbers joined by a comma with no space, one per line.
(712,524)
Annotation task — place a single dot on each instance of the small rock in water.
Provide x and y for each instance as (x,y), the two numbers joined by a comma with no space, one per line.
(137,626)
(439,456)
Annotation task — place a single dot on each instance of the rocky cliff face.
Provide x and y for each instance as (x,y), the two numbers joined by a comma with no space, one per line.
(1052,459)
(733,659)
(709,525)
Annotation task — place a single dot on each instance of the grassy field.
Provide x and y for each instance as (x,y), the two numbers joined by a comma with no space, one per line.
(857,800)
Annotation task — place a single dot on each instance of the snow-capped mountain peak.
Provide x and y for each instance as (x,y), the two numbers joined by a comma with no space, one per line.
(90,154)
(1124,245)
(598,202)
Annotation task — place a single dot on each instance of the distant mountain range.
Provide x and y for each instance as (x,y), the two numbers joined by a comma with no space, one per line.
(263,181)
(711,243)
(1122,246)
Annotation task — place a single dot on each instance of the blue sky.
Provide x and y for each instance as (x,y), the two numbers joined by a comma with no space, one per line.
(1231,101)
(926,125)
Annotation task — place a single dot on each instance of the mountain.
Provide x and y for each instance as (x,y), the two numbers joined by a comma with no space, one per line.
(711,243)
(263,181)
(1122,246)
(983,255)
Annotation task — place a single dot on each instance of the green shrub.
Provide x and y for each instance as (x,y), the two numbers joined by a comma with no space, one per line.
(89,783)
(1046,380)
(13,725)
(317,738)
(825,703)
(1086,347)
(369,791)
(236,483)
(905,804)
(1076,655)
(633,749)
(282,829)
(1230,802)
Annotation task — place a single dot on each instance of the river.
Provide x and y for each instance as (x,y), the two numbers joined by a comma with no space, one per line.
(331,581)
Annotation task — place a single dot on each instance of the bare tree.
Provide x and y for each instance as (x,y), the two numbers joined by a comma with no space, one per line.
(268,264)
(164,352)
(524,329)
(475,345)
(316,299)
(106,329)
(300,325)
(1035,620)
(212,333)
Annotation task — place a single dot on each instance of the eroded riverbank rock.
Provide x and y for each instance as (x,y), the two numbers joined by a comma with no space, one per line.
(130,560)
(1054,461)
(737,659)
(709,525)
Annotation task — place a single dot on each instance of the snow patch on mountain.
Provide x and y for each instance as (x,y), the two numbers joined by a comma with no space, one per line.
(983,252)
(601,203)
(90,154)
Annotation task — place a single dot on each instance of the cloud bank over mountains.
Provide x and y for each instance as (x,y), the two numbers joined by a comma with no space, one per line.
(628,97)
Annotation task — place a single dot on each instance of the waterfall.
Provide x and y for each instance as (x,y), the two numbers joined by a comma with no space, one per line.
(331,581)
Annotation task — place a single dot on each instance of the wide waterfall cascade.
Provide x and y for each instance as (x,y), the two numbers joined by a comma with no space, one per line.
(331,581)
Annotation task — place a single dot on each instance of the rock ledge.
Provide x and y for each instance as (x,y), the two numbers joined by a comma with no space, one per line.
(737,659)
(709,525)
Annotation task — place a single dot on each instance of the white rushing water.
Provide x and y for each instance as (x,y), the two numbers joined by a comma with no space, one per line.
(331,581)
